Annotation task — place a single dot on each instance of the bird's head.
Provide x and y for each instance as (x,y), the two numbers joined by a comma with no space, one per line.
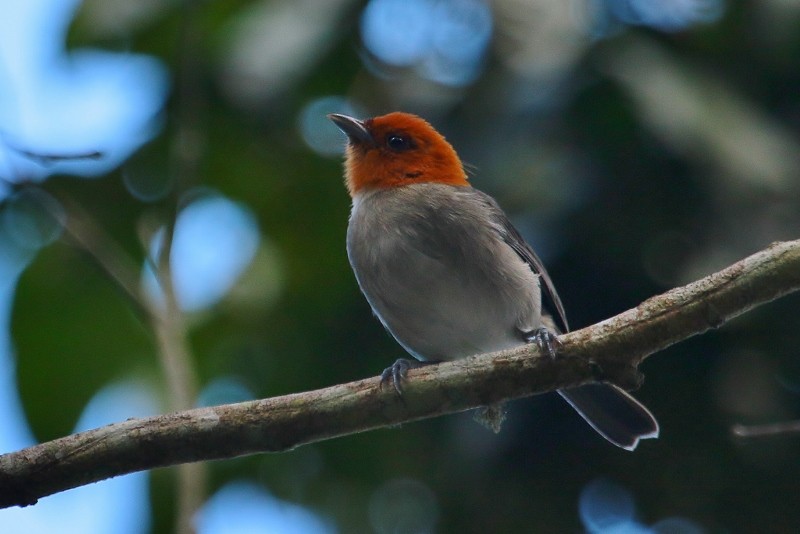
(395,150)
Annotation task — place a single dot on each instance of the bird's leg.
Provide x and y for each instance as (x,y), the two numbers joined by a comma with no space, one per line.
(548,343)
(545,339)
(397,372)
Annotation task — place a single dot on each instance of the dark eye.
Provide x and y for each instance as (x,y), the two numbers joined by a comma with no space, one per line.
(398,143)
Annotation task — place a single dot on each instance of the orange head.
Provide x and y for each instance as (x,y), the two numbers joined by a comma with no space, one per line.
(395,150)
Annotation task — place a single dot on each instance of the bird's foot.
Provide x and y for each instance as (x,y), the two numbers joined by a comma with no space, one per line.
(545,339)
(397,372)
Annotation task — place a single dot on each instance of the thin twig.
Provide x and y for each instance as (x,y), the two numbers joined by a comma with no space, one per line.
(771,429)
(50,159)
(188,147)
(617,345)
(120,268)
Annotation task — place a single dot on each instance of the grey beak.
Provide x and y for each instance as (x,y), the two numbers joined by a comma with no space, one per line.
(355,130)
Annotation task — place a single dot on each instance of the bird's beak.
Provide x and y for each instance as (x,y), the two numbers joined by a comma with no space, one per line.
(355,129)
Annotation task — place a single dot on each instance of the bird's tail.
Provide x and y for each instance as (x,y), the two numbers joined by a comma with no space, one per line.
(613,413)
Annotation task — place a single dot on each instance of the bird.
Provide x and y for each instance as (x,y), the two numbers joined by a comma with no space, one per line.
(446,272)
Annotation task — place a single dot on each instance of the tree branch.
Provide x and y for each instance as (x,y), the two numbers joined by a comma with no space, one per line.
(766,430)
(616,346)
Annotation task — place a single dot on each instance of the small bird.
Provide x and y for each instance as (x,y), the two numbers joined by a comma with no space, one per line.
(446,272)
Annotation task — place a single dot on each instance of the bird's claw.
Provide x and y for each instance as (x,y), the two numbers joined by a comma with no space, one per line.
(396,373)
(545,339)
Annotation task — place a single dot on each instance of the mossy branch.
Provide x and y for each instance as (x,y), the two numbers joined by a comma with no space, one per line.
(615,346)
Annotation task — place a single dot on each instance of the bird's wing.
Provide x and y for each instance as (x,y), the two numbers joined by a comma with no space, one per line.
(550,297)
(513,239)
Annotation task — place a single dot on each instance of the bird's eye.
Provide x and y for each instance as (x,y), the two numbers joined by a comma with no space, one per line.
(398,143)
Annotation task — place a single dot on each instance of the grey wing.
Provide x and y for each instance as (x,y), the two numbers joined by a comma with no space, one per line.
(513,239)
(611,411)
(550,297)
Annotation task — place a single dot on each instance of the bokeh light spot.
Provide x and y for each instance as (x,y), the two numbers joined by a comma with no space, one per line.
(607,507)
(666,15)
(224,390)
(118,505)
(677,525)
(215,240)
(445,40)
(319,133)
(403,506)
(398,31)
(147,185)
(32,218)
(462,35)
(245,508)
(56,103)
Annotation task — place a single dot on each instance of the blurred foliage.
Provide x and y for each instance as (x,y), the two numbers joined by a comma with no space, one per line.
(623,200)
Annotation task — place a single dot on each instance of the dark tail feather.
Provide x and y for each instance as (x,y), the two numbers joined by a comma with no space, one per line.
(613,413)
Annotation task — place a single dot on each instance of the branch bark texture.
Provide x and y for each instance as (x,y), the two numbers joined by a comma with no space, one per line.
(614,347)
